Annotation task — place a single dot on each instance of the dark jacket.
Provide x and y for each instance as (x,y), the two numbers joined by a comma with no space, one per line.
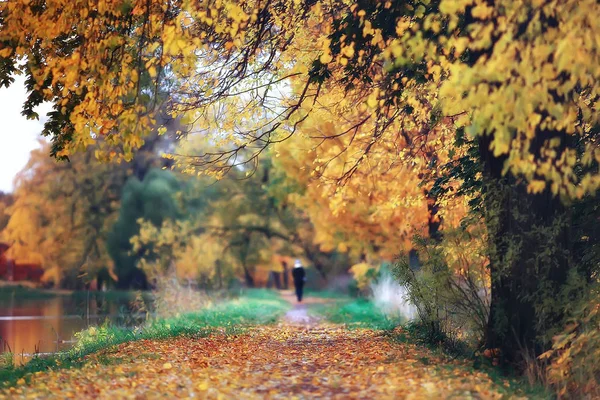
(298,274)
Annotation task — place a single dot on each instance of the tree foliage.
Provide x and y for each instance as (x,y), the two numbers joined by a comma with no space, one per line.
(61,215)
(245,228)
(6,200)
(152,199)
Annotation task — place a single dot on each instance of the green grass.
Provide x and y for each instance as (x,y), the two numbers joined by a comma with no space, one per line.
(254,307)
(262,294)
(327,294)
(357,313)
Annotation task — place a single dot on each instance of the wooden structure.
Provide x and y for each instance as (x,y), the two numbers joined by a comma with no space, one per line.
(13,271)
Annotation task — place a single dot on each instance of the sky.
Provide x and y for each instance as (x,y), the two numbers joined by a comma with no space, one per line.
(18,136)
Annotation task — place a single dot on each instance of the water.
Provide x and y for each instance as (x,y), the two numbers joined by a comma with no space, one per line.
(47,323)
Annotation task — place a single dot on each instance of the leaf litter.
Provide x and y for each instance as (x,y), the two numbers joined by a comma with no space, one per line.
(266,362)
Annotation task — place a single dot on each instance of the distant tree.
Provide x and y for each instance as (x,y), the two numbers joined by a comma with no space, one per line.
(61,215)
(6,200)
(63,211)
(153,199)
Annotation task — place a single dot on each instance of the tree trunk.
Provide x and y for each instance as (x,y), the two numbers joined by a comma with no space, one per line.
(529,262)
(277,276)
(433,221)
(286,277)
(219,274)
(248,277)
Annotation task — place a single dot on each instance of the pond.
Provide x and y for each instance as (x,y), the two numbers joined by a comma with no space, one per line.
(43,322)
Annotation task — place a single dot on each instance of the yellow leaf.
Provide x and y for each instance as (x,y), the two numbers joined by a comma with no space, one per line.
(6,52)
(325,58)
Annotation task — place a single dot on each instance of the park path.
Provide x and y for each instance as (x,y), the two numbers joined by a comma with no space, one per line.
(299,315)
(301,357)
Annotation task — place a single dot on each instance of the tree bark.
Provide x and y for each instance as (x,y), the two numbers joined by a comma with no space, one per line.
(248,277)
(286,277)
(529,261)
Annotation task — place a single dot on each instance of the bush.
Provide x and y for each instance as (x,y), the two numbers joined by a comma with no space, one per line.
(449,287)
(172,297)
(574,360)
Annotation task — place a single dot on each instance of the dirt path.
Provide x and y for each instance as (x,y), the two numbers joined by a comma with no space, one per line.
(267,362)
(301,357)
(299,314)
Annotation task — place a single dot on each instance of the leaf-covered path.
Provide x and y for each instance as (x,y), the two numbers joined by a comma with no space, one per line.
(298,358)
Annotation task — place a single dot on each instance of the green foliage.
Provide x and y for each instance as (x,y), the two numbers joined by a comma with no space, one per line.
(535,277)
(466,170)
(450,298)
(153,199)
(586,236)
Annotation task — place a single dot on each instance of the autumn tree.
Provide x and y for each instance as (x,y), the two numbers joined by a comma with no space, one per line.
(61,215)
(532,113)
(531,149)
(246,227)
(152,199)
(6,199)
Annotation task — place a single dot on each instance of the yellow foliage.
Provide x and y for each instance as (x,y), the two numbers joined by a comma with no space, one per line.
(61,213)
(361,272)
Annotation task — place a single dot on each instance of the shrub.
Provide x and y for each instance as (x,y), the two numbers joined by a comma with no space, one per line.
(449,287)
(172,295)
(574,360)
(363,274)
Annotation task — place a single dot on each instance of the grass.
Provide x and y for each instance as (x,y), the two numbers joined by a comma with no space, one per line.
(356,313)
(253,307)
(327,294)
(262,294)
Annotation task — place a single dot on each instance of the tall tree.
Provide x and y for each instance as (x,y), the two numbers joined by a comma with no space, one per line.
(153,199)
(6,200)
(61,215)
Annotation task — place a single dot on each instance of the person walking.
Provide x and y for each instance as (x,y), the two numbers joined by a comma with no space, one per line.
(299,276)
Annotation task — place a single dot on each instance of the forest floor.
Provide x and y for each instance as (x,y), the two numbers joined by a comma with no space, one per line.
(302,356)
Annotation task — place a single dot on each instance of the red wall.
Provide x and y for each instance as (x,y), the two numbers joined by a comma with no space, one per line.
(11,271)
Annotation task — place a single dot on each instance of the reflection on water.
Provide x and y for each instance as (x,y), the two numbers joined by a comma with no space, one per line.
(48,325)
